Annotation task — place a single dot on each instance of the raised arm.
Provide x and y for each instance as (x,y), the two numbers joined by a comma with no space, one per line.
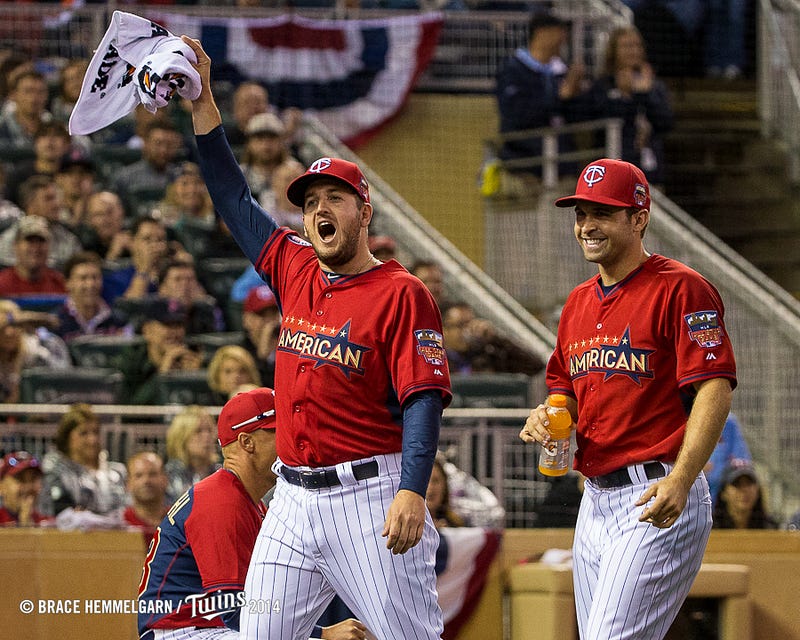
(249,224)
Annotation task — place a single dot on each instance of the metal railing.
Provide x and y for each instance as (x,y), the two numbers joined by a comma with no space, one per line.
(482,442)
(778,76)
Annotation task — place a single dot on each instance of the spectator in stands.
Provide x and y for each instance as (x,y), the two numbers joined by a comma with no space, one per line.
(264,152)
(30,275)
(12,63)
(40,197)
(432,277)
(26,343)
(261,321)
(285,212)
(178,282)
(9,211)
(192,452)
(249,99)
(70,80)
(20,488)
(75,179)
(628,89)
(724,31)
(473,502)
(164,350)
(148,178)
(535,88)
(149,251)
(50,142)
(384,248)
(103,227)
(437,499)
(29,96)
(472,344)
(78,474)
(731,447)
(85,313)
(231,367)
(187,198)
(740,504)
(147,492)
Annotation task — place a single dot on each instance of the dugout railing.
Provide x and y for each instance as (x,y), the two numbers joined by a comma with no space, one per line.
(483,442)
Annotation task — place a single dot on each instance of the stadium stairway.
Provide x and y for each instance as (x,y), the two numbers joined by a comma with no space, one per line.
(722,172)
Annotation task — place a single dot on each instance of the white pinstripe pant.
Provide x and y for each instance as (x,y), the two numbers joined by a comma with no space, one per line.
(195,633)
(630,577)
(320,542)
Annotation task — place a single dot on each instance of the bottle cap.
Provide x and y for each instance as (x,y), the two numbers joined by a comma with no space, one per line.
(557,400)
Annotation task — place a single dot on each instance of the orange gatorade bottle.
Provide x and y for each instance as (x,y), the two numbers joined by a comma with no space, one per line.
(554,458)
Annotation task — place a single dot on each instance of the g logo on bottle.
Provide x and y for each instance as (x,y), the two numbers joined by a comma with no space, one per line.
(594,173)
(318,166)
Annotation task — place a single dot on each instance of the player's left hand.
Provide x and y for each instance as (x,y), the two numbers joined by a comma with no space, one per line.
(667,498)
(404,521)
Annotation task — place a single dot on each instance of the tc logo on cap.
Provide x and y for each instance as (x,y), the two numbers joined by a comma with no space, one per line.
(318,166)
(594,173)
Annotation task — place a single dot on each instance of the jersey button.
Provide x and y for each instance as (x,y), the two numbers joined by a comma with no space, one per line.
(302,368)
(297,408)
(319,313)
(329,295)
(599,325)
(301,445)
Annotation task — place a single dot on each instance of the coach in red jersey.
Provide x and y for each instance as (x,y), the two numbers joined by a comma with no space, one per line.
(645,360)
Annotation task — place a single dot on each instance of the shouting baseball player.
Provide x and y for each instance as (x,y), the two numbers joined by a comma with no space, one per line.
(644,358)
(362,379)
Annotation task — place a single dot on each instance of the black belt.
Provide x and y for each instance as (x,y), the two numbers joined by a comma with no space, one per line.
(621,477)
(327,477)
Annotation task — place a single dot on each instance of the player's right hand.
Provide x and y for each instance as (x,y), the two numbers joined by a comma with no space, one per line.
(535,429)
(350,629)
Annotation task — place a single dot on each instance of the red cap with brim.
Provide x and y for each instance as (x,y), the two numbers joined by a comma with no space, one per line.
(335,168)
(612,182)
(246,412)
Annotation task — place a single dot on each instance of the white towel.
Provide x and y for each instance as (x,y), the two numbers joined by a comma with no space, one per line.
(137,62)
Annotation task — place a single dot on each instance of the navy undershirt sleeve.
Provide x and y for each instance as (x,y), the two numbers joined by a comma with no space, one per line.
(422,419)
(249,224)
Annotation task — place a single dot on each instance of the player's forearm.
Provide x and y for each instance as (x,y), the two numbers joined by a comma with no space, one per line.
(422,416)
(205,113)
(703,428)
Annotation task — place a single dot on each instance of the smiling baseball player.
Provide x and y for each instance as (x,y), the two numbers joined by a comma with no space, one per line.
(644,358)
(361,379)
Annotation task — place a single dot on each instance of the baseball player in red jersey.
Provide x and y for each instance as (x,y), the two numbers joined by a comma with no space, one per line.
(644,358)
(362,380)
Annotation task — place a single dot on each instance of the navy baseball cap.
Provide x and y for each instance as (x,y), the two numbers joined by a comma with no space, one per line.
(342,170)
(246,412)
(612,182)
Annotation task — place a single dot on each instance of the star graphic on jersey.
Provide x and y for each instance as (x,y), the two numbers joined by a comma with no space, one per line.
(618,358)
(325,347)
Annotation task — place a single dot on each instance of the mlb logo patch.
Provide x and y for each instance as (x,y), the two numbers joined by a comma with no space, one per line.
(704,328)
(430,345)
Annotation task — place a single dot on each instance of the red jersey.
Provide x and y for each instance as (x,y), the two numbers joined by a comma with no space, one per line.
(351,350)
(202,546)
(148,530)
(8,519)
(13,285)
(630,356)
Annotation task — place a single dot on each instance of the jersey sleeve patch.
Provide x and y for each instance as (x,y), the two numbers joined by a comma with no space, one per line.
(704,328)
(430,345)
